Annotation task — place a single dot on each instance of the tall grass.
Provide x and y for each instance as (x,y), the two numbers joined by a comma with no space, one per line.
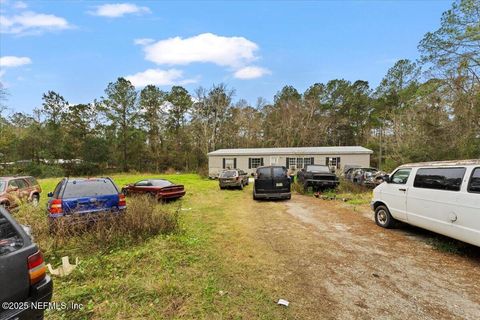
(143,218)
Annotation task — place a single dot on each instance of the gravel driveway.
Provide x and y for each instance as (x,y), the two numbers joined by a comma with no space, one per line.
(338,264)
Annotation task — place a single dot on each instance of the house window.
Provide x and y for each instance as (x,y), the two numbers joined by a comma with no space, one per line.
(255,162)
(333,162)
(307,161)
(229,163)
(292,163)
(299,162)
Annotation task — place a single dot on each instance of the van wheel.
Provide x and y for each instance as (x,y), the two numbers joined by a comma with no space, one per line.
(254,196)
(383,218)
(241,186)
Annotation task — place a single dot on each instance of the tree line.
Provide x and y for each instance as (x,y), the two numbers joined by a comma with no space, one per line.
(422,110)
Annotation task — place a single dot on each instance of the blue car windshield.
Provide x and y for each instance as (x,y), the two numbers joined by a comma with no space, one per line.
(89,188)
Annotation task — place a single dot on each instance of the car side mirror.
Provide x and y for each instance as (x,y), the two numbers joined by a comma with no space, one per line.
(50,194)
(386,178)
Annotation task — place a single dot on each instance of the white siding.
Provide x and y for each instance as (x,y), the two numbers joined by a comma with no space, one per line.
(215,163)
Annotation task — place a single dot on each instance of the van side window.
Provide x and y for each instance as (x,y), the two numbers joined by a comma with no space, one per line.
(439,178)
(474,184)
(401,176)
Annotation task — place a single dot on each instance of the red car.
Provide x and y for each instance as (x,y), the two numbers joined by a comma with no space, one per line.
(158,188)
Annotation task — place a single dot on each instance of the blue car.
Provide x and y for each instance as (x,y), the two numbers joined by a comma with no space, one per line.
(82,196)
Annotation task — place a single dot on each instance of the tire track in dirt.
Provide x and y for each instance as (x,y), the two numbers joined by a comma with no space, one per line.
(339,264)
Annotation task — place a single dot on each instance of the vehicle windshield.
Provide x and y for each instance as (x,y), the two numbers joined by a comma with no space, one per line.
(318,168)
(228,174)
(161,183)
(89,188)
(2,185)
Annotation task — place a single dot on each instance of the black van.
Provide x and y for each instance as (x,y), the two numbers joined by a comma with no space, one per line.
(271,182)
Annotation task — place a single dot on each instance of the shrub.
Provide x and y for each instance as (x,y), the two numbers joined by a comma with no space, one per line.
(143,219)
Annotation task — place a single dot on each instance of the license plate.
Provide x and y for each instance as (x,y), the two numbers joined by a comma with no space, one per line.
(279,184)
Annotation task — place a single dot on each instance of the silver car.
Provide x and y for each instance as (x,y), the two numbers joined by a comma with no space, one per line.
(234,178)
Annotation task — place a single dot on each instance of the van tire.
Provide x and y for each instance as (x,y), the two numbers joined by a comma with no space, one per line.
(383,218)
(241,186)
(254,196)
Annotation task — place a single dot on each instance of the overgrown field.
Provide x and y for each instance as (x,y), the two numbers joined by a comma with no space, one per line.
(176,273)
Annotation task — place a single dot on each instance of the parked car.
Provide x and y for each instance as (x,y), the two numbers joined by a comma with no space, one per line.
(363,176)
(348,169)
(161,189)
(442,197)
(318,177)
(85,196)
(234,178)
(23,275)
(272,182)
(15,190)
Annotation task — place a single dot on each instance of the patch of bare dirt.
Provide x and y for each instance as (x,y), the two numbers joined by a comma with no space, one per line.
(334,262)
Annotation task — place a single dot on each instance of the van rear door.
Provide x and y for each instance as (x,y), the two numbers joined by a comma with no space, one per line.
(264,180)
(281,181)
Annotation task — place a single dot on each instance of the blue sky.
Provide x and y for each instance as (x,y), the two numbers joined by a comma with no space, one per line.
(76,48)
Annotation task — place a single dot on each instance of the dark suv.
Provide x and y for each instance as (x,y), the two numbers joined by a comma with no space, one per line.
(272,182)
(317,176)
(23,278)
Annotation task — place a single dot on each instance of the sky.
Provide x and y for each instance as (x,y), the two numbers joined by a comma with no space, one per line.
(255,47)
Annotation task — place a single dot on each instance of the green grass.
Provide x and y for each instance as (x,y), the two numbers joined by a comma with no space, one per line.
(168,276)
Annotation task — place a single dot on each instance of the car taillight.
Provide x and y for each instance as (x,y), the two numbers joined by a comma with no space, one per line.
(36,267)
(122,201)
(56,206)
(238,178)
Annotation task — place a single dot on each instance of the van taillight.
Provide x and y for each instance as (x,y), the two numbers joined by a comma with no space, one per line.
(122,201)
(36,267)
(56,206)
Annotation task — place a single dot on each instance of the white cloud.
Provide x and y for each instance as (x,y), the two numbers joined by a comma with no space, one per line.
(143,41)
(158,77)
(233,52)
(12,61)
(20,5)
(32,22)
(251,72)
(117,10)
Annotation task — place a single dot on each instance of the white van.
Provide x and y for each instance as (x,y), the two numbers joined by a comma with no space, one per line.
(442,196)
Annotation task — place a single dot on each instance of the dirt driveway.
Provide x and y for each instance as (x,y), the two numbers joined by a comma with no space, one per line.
(334,262)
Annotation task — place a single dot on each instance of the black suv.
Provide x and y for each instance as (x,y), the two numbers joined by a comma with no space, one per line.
(23,278)
(272,182)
